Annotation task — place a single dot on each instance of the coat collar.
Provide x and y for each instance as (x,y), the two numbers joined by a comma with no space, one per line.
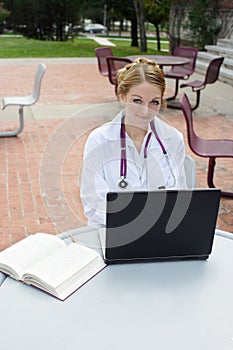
(111,130)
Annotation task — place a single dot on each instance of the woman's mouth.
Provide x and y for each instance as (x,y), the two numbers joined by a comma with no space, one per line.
(146,118)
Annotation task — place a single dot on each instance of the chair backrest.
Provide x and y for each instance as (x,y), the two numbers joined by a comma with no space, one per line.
(188,52)
(114,64)
(102,53)
(213,70)
(190,171)
(193,140)
(37,81)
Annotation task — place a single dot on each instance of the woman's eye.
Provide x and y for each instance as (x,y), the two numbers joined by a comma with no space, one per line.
(155,102)
(137,100)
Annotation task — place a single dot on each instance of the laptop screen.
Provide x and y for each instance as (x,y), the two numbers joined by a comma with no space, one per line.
(160,224)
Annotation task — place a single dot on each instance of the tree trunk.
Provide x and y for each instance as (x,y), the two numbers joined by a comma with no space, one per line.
(157,37)
(139,9)
(134,33)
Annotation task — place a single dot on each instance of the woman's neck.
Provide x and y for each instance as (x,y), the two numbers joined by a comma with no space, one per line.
(136,134)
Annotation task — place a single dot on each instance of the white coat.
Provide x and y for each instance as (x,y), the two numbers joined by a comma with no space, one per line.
(101,165)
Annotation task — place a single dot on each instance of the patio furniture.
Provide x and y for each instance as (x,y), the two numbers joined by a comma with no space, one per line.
(114,64)
(184,71)
(23,101)
(211,76)
(164,60)
(102,53)
(209,148)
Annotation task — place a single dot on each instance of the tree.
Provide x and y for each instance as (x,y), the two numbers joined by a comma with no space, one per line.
(202,22)
(157,12)
(44,19)
(93,10)
(176,18)
(3,15)
(139,9)
(124,10)
(195,22)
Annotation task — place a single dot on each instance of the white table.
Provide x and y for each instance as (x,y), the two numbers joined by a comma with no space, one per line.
(160,305)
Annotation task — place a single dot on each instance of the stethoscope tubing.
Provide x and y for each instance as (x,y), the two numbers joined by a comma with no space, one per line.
(123,164)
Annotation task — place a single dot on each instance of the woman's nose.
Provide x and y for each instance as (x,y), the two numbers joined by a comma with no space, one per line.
(146,110)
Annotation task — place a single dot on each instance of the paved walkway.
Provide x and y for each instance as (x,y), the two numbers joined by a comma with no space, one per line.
(39,180)
(101,41)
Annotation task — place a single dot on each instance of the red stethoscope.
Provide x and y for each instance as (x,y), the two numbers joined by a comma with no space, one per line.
(123,165)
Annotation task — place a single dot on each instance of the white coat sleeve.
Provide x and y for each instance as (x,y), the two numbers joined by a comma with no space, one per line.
(93,187)
(179,156)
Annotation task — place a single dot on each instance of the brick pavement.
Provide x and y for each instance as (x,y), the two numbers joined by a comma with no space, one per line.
(36,198)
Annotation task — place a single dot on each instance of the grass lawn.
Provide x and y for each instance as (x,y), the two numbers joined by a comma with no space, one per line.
(122,45)
(19,47)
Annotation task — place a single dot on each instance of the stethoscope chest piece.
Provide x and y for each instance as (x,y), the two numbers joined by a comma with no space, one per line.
(123,183)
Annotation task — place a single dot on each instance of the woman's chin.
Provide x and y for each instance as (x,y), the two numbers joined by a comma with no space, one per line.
(144,120)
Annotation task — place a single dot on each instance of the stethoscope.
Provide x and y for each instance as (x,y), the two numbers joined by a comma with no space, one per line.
(123,165)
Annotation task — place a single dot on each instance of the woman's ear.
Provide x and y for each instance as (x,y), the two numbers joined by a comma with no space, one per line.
(163,104)
(121,99)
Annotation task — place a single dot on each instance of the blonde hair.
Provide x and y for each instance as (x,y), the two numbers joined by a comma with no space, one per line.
(140,71)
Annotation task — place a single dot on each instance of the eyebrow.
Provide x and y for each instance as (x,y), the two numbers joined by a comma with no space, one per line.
(155,98)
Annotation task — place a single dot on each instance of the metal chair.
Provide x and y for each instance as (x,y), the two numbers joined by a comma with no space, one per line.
(23,101)
(114,64)
(211,76)
(212,149)
(102,53)
(184,71)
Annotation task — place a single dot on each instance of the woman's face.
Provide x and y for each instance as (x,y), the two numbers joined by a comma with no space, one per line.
(141,103)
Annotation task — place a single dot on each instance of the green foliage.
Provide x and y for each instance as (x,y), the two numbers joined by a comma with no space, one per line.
(58,20)
(44,19)
(93,10)
(157,12)
(3,15)
(202,22)
(120,10)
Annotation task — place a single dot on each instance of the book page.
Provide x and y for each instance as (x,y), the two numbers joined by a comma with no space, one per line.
(59,268)
(29,251)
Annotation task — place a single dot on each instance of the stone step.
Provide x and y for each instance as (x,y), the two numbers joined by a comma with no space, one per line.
(225,75)
(219,51)
(225,43)
(223,48)
(207,57)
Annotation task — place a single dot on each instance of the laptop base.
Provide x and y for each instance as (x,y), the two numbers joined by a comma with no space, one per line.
(157,259)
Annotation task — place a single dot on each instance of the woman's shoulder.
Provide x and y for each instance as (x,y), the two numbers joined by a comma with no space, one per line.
(165,130)
(108,131)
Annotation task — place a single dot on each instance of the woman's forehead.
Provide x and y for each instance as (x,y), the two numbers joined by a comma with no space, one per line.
(145,89)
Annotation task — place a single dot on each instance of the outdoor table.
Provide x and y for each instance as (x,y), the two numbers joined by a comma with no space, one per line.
(163,60)
(164,305)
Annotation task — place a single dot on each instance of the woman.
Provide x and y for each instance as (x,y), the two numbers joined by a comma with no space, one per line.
(136,150)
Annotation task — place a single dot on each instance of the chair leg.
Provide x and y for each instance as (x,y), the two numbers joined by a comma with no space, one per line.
(175,93)
(210,175)
(210,178)
(198,92)
(19,130)
(116,89)
(175,104)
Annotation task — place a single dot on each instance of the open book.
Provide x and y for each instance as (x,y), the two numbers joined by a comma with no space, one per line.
(46,262)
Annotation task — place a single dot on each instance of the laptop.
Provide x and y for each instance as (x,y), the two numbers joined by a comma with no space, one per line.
(159,225)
